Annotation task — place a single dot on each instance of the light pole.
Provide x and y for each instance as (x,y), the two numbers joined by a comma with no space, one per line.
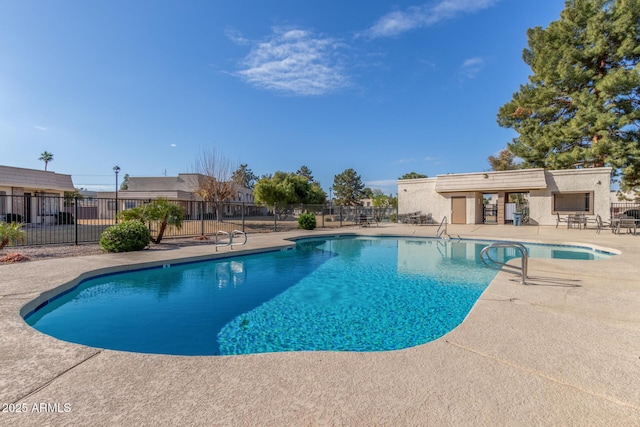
(116,169)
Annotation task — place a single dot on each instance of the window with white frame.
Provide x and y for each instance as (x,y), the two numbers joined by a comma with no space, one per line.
(572,202)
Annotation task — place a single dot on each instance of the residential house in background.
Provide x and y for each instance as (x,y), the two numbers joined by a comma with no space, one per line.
(180,188)
(31,195)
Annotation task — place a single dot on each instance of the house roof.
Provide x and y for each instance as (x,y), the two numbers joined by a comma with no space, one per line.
(182,182)
(35,179)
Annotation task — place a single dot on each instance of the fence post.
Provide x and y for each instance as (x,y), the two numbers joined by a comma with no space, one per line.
(243,215)
(202,217)
(323,215)
(75,214)
(340,216)
(275,221)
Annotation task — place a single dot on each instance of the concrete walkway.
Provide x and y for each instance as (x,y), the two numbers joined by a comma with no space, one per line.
(564,350)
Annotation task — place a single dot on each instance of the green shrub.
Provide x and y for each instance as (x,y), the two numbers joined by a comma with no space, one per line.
(125,237)
(393,217)
(307,221)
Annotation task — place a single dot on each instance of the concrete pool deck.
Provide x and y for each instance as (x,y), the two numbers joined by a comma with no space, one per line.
(564,350)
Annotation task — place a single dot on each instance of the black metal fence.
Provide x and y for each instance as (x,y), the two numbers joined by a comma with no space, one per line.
(58,220)
(618,209)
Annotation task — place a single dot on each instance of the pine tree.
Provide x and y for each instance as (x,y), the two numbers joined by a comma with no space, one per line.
(581,106)
(503,162)
(348,187)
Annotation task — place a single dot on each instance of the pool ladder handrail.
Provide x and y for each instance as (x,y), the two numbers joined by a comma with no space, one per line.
(236,233)
(486,259)
(230,236)
(440,231)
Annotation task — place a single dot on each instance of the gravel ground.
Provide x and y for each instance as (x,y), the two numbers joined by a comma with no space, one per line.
(36,253)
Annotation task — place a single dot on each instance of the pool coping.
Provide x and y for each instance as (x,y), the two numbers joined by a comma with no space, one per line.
(501,352)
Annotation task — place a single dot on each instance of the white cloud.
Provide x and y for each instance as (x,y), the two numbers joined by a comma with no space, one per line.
(295,61)
(172,145)
(42,128)
(471,67)
(398,22)
(236,37)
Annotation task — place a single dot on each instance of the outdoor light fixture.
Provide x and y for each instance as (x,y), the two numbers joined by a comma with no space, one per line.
(486,175)
(116,169)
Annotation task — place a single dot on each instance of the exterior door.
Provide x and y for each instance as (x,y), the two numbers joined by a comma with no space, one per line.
(458,210)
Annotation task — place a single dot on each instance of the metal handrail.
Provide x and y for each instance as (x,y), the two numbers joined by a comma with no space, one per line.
(444,231)
(230,236)
(235,233)
(228,243)
(497,265)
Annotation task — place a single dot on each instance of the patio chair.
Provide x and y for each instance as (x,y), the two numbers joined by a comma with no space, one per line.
(367,221)
(628,223)
(601,224)
(426,219)
(559,220)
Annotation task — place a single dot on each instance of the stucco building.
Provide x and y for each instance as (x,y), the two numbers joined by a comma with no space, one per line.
(543,193)
(31,195)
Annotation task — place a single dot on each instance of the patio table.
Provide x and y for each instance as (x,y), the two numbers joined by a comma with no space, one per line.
(577,221)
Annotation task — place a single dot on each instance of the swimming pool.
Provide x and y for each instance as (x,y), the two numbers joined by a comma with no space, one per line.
(340,294)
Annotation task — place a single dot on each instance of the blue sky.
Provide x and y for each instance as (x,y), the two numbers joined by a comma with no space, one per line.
(382,87)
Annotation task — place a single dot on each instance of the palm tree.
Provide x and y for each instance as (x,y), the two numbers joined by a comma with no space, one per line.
(11,234)
(166,213)
(46,157)
(161,211)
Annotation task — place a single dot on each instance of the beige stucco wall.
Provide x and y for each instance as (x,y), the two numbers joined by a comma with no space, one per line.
(420,195)
(597,180)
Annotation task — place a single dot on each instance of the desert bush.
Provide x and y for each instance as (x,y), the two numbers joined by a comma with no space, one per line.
(125,237)
(307,221)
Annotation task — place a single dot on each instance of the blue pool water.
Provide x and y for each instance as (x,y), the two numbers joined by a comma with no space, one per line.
(351,294)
